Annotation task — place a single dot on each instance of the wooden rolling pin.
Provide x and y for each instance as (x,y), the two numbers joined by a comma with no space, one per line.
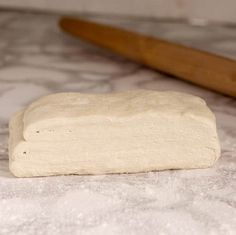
(202,68)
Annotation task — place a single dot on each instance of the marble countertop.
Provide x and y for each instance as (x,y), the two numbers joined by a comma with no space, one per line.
(37,59)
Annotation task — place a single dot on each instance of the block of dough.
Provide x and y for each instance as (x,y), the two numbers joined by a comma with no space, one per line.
(125,132)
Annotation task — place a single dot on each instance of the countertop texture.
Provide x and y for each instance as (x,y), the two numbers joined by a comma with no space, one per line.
(37,59)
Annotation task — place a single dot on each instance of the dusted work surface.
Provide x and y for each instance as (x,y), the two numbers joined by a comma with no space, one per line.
(37,59)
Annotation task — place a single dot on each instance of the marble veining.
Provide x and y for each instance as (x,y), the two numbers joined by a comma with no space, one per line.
(37,59)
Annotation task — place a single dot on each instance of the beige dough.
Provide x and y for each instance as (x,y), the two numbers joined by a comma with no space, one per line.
(126,132)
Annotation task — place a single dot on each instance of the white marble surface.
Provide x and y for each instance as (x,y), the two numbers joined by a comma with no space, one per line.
(213,10)
(37,59)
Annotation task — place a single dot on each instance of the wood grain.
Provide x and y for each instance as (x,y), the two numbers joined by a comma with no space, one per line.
(202,68)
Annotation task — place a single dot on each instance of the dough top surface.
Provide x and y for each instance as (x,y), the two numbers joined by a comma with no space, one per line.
(117,105)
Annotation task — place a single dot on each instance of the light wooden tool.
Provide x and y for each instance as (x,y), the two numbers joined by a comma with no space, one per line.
(205,69)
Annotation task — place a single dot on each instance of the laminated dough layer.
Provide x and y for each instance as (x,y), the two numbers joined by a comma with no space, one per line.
(127,132)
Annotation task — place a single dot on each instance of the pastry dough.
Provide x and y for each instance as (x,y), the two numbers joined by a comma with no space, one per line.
(126,132)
